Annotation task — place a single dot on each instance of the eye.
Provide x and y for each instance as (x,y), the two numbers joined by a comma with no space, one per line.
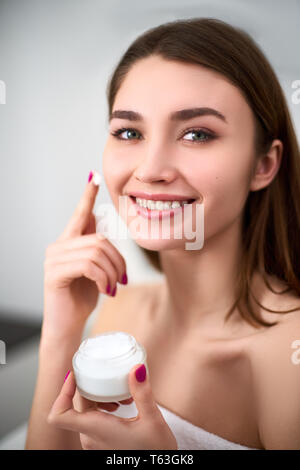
(123,129)
(206,136)
(199,132)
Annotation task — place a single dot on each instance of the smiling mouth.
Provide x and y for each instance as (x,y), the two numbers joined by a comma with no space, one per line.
(153,211)
(189,201)
(159,210)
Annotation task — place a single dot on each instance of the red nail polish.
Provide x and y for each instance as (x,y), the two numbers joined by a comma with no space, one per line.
(140,373)
(90,176)
(67,375)
(108,289)
(124,279)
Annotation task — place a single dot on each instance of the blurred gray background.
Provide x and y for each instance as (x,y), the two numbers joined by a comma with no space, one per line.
(55,59)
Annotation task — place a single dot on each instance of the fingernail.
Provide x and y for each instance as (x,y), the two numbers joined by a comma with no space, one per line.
(67,375)
(95,177)
(90,176)
(140,373)
(114,291)
(124,279)
(108,289)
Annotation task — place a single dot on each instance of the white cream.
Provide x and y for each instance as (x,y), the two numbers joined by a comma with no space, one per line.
(102,364)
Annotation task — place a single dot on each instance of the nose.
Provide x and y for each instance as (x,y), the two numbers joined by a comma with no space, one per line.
(154,167)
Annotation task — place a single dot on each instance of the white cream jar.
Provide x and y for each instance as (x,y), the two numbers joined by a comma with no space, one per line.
(102,364)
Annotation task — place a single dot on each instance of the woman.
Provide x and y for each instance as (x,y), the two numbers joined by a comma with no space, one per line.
(221,329)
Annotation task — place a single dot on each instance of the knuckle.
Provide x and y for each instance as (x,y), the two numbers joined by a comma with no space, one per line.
(91,263)
(96,251)
(88,265)
(99,237)
(51,419)
(91,269)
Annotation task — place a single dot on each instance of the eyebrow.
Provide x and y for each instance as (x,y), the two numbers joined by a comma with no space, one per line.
(181,115)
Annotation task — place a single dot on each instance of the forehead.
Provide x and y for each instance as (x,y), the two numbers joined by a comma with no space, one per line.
(156,85)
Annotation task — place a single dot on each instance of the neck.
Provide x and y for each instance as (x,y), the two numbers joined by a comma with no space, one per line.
(201,285)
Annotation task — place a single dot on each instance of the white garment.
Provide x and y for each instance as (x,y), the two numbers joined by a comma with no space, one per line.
(190,436)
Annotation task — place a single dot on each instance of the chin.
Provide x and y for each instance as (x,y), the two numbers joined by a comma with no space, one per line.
(160,244)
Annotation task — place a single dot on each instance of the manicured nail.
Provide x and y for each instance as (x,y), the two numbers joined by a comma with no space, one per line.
(124,279)
(95,177)
(67,375)
(114,291)
(140,373)
(108,289)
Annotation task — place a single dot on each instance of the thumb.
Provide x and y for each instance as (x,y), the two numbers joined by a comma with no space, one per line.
(140,389)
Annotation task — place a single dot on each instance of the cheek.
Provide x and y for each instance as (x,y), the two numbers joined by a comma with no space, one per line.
(224,186)
(225,175)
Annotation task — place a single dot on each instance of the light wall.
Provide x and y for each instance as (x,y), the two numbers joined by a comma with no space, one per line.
(55,59)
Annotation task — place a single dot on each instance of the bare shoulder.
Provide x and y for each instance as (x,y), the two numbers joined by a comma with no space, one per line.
(276,338)
(275,360)
(281,334)
(131,305)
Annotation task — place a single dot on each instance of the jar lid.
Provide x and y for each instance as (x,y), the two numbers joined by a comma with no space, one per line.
(109,349)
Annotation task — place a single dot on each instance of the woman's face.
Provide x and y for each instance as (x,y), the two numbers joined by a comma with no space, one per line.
(206,158)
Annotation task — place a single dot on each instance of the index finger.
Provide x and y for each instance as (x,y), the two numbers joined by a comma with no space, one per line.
(81,215)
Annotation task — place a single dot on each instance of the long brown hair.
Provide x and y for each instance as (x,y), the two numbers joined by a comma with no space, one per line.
(271,219)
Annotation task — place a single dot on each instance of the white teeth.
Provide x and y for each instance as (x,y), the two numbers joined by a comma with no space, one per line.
(159,205)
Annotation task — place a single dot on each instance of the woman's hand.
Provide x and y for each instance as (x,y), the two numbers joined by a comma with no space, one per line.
(79,265)
(99,430)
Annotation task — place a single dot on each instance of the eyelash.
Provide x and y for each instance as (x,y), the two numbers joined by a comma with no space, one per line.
(209,136)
